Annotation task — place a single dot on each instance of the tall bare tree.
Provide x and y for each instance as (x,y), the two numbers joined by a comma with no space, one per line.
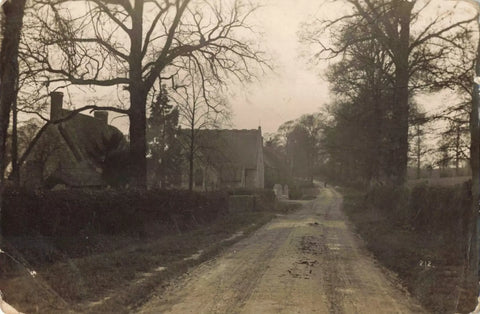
(134,43)
(418,148)
(12,22)
(200,107)
(416,55)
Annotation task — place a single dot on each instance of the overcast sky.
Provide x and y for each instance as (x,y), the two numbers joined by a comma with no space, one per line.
(294,87)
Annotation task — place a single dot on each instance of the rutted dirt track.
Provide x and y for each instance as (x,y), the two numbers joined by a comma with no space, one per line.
(306,262)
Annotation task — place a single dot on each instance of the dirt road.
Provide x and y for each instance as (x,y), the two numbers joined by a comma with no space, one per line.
(306,262)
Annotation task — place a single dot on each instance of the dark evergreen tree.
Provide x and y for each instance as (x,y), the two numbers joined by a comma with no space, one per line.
(164,158)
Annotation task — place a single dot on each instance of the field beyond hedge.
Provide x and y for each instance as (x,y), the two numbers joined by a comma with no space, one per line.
(420,233)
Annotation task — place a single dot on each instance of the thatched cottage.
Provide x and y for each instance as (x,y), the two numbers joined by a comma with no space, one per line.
(73,153)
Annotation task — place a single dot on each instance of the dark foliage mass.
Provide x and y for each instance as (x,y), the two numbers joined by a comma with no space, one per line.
(264,198)
(429,208)
(70,212)
(164,158)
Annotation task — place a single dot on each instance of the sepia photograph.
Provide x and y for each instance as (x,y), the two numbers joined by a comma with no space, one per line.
(239,156)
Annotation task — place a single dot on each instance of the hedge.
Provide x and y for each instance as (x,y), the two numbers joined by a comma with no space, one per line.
(70,212)
(265,199)
(443,209)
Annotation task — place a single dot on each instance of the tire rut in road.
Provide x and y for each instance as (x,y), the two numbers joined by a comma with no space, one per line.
(250,276)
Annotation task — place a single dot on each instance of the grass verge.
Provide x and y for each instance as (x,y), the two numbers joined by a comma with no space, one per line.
(116,278)
(429,264)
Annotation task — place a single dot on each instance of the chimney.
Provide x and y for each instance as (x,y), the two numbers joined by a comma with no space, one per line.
(56,99)
(101,115)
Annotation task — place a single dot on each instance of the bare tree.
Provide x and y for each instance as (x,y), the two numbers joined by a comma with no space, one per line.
(418,148)
(12,21)
(134,43)
(454,144)
(200,108)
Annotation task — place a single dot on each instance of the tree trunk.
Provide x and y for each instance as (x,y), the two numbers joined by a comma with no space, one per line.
(9,69)
(191,157)
(11,30)
(400,126)
(419,151)
(471,264)
(138,102)
(457,151)
(138,141)
(377,150)
(401,95)
(14,149)
(190,172)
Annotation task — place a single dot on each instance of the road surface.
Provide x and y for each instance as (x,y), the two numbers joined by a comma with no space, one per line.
(309,261)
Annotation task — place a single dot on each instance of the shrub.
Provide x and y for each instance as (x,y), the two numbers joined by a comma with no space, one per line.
(442,209)
(295,193)
(265,198)
(69,212)
(389,201)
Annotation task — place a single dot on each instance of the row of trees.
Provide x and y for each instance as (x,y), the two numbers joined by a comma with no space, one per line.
(382,60)
(383,54)
(298,143)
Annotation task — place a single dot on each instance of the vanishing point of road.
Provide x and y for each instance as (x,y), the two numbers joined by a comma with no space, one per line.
(309,261)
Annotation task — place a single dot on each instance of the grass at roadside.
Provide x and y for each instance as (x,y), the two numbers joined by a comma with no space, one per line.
(121,278)
(429,264)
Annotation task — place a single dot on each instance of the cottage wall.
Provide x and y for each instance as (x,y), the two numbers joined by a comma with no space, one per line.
(251,178)
(229,159)
(260,162)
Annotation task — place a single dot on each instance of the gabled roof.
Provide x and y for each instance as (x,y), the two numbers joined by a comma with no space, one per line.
(226,147)
(89,138)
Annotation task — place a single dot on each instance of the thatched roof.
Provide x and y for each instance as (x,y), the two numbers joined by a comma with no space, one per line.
(220,148)
(78,148)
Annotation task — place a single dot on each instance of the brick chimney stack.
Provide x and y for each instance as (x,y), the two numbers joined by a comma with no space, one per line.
(101,115)
(56,99)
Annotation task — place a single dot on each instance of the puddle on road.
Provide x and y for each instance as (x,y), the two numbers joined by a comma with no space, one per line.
(290,223)
(345,290)
(98,302)
(337,224)
(309,221)
(233,236)
(194,256)
(312,245)
(302,269)
(334,247)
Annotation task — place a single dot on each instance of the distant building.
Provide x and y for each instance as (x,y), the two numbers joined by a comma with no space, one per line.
(73,153)
(225,159)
